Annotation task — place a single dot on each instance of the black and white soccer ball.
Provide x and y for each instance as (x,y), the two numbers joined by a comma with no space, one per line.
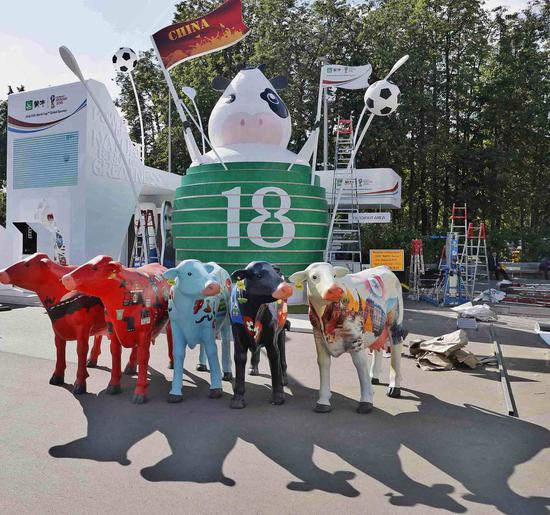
(125,60)
(382,98)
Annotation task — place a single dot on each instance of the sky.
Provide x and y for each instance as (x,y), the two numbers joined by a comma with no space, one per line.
(31,32)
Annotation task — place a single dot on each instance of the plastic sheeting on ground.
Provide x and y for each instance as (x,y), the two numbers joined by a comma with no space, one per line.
(491,295)
(481,312)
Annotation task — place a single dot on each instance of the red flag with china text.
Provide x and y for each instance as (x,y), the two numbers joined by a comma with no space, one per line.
(217,30)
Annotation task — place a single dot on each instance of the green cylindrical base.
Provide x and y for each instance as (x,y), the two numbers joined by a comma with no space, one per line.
(251,212)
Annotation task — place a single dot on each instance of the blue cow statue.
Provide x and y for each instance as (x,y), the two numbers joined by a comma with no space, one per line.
(195,298)
(223,323)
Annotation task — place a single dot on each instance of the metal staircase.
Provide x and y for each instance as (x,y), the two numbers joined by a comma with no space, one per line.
(145,248)
(344,246)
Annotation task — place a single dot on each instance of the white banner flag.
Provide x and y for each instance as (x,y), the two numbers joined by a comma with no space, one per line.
(346,77)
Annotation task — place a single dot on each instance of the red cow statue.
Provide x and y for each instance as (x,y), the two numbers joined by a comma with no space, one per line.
(136,310)
(74,316)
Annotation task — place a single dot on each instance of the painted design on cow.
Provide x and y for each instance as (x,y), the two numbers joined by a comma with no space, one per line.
(223,324)
(258,316)
(351,313)
(74,316)
(251,122)
(195,316)
(136,309)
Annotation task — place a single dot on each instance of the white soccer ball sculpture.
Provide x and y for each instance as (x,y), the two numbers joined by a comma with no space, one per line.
(125,60)
(382,98)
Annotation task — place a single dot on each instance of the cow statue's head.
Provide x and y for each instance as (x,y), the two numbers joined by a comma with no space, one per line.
(191,278)
(262,282)
(322,282)
(250,111)
(93,277)
(27,272)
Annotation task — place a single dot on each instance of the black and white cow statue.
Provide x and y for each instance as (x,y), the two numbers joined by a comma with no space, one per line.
(250,121)
(258,314)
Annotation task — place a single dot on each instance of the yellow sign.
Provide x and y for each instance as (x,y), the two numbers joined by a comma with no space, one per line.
(394,259)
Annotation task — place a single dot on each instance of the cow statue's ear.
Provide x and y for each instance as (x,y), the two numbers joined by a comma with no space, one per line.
(171,274)
(262,67)
(220,83)
(298,277)
(279,82)
(340,271)
(238,275)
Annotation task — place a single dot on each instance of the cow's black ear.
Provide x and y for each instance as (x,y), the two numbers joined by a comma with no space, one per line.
(219,83)
(239,275)
(279,82)
(262,67)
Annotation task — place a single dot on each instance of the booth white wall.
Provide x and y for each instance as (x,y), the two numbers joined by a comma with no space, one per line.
(64,171)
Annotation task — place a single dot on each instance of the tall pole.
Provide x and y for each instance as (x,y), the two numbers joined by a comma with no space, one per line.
(140,117)
(318,115)
(169,133)
(187,134)
(70,60)
(325,131)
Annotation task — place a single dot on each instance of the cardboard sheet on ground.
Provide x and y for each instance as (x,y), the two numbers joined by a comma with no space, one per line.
(444,352)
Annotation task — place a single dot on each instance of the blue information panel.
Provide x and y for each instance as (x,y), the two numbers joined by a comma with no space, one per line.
(46,161)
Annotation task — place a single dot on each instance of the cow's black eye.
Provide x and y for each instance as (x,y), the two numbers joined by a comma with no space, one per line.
(314,277)
(189,273)
(259,276)
(274,102)
(230,98)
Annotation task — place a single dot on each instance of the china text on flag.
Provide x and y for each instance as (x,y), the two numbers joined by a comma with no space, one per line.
(219,29)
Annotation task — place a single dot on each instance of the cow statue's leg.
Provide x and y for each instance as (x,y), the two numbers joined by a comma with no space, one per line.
(211,350)
(376,366)
(361,364)
(180,345)
(170,340)
(201,365)
(239,356)
(143,349)
(394,388)
(281,342)
(272,348)
(58,376)
(254,369)
(131,367)
(225,333)
(95,352)
(82,373)
(116,351)
(323,360)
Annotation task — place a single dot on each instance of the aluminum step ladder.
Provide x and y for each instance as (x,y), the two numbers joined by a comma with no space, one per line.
(479,259)
(344,246)
(145,248)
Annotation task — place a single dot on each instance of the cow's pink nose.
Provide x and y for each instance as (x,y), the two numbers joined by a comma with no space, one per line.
(333,293)
(211,288)
(4,278)
(283,291)
(68,282)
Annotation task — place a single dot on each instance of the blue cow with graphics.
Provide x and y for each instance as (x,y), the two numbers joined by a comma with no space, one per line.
(195,300)
(223,322)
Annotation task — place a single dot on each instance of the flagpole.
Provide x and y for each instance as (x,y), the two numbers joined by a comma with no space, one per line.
(187,133)
(169,133)
(317,120)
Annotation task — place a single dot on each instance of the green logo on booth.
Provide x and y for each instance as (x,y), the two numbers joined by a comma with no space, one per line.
(28,105)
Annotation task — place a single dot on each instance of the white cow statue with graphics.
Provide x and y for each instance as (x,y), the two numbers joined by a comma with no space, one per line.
(352,313)
(250,121)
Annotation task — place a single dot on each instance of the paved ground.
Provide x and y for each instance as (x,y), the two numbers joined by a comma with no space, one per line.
(445,445)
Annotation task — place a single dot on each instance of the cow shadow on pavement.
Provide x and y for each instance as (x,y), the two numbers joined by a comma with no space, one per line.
(477,448)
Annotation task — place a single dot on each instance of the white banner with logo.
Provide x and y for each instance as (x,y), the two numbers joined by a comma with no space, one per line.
(346,77)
